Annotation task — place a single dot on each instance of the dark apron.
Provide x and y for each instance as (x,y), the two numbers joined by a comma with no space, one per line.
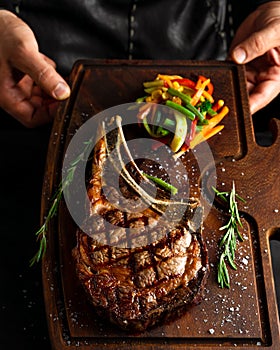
(144,29)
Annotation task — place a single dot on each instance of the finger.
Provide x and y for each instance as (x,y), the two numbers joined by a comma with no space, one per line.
(30,116)
(262,95)
(256,45)
(26,85)
(18,101)
(39,68)
(47,78)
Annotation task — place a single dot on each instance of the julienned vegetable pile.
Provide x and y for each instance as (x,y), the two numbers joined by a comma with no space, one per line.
(199,114)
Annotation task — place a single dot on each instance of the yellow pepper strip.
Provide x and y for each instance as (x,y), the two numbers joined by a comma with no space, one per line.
(196,140)
(219,104)
(199,92)
(168,78)
(208,96)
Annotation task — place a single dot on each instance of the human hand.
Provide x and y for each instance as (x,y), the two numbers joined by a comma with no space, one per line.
(257,44)
(29,83)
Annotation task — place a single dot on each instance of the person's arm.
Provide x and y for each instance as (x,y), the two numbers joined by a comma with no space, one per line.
(257,44)
(26,75)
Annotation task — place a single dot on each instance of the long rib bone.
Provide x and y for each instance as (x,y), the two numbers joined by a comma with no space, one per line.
(157,204)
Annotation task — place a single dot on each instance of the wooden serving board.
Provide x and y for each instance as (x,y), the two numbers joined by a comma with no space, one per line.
(242,317)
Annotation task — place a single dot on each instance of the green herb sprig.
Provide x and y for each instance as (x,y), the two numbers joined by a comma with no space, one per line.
(41,234)
(229,240)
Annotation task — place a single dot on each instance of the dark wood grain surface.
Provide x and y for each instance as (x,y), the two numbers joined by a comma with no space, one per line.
(244,316)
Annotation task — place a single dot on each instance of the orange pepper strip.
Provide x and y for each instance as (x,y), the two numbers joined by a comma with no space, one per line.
(210,86)
(213,132)
(215,120)
(210,129)
(200,137)
(199,92)
(219,104)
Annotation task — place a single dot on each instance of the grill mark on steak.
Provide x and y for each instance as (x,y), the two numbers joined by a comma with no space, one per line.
(137,288)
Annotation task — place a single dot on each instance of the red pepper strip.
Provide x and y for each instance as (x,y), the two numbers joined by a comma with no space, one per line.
(190,136)
(144,110)
(210,86)
(186,82)
(160,142)
(193,129)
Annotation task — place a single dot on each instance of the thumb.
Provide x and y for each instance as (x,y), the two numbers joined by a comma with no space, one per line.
(39,68)
(255,45)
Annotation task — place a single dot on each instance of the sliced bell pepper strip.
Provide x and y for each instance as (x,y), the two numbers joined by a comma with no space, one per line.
(144,110)
(208,96)
(186,82)
(219,104)
(157,143)
(213,131)
(197,95)
(210,86)
(197,139)
(189,138)
(216,119)
(203,136)
(192,133)
(168,78)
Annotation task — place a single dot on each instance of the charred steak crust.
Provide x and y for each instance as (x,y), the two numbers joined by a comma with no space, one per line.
(137,288)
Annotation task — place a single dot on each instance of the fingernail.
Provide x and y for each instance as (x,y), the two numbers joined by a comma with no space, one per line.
(61,91)
(239,55)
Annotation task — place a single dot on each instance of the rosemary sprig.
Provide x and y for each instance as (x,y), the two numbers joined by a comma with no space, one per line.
(228,242)
(62,187)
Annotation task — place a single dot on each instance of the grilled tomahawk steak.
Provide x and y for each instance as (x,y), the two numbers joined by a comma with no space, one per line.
(138,286)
